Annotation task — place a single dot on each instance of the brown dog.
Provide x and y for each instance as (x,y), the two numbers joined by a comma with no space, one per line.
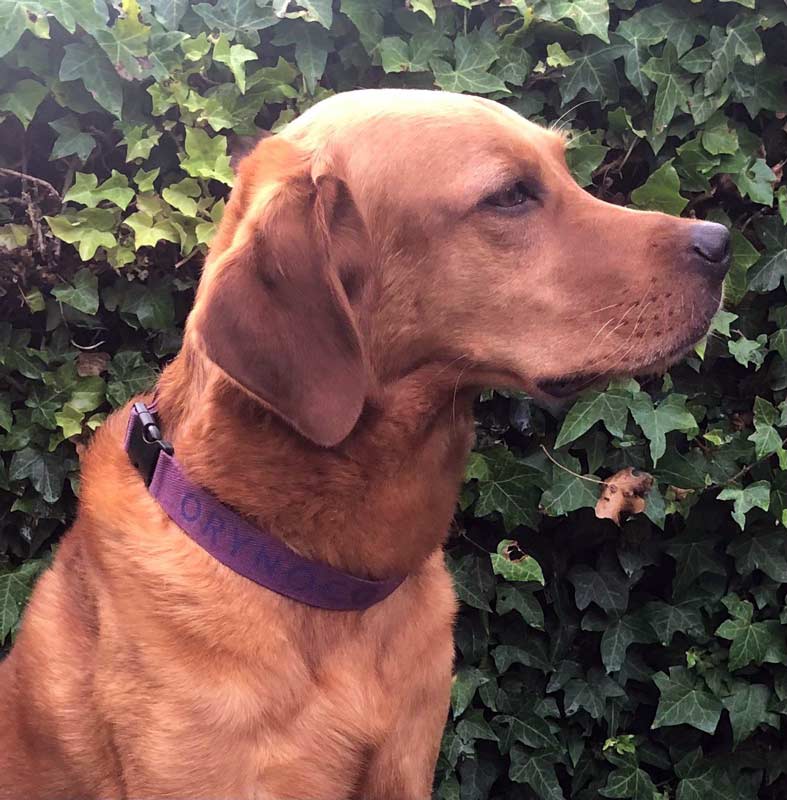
(383,259)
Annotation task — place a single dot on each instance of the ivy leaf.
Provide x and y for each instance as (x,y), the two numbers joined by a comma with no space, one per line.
(170,12)
(755,495)
(590,17)
(394,54)
(82,294)
(591,695)
(426,6)
(607,587)
(232,17)
(702,779)
(666,620)
(71,141)
(744,255)
(568,490)
(139,141)
(15,587)
(661,191)
(610,406)
(93,68)
(182,196)
(537,771)
(312,45)
(630,781)
(748,709)
(86,191)
(23,100)
(507,486)
(89,228)
(516,598)
(752,642)
(512,564)
(126,42)
(694,555)
(620,635)
(670,415)
(765,552)
(474,56)
(672,87)
(474,581)
(741,41)
(46,471)
(206,157)
(593,71)
(235,57)
(685,700)
(13,23)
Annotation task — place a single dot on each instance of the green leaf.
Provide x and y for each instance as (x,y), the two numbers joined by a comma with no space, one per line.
(206,157)
(170,12)
(755,495)
(13,23)
(474,57)
(86,191)
(394,54)
(610,406)
(748,709)
(512,564)
(672,87)
(516,598)
(90,228)
(139,141)
(568,490)
(474,582)
(508,486)
(757,182)
(181,196)
(670,415)
(593,72)
(606,587)
(752,642)
(537,771)
(23,100)
(82,294)
(93,68)
(46,471)
(590,17)
(71,141)
(661,191)
(426,6)
(685,700)
(235,57)
(630,781)
(15,587)
(741,42)
(765,552)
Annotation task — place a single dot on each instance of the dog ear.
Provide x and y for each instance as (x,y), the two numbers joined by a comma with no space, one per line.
(271,311)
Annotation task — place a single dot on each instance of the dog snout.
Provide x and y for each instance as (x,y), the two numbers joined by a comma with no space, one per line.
(710,244)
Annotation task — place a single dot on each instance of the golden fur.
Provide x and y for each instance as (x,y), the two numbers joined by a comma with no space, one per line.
(358,295)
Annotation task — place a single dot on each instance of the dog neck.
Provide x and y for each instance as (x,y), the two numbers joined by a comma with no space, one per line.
(376,506)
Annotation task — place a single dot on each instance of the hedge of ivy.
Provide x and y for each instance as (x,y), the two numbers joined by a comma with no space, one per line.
(647,661)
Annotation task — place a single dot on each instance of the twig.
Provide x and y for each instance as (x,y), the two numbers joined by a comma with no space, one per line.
(745,471)
(569,471)
(12,173)
(187,258)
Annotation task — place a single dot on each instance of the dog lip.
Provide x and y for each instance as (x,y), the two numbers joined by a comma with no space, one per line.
(565,386)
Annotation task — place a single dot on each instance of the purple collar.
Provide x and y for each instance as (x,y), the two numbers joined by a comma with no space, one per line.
(245,549)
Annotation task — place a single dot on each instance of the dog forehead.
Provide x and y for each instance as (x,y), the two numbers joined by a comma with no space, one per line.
(418,140)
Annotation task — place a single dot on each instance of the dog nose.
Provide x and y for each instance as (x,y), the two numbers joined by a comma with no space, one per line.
(711,242)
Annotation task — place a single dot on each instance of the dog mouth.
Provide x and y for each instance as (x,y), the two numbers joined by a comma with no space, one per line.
(565,386)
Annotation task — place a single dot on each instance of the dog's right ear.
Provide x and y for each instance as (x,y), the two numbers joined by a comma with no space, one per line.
(271,311)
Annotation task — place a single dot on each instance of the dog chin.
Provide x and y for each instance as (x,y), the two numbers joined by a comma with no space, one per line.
(562,388)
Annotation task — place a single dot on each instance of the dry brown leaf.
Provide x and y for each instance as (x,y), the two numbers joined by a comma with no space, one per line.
(92,364)
(623,494)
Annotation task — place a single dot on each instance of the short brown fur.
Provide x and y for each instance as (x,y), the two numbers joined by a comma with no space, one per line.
(359,293)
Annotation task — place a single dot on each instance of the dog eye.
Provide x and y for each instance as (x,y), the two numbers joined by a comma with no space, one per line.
(511,197)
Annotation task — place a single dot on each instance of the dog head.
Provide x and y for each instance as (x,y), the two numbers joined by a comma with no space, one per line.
(388,229)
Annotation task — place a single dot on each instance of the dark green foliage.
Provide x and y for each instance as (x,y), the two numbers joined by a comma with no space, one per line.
(644,662)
